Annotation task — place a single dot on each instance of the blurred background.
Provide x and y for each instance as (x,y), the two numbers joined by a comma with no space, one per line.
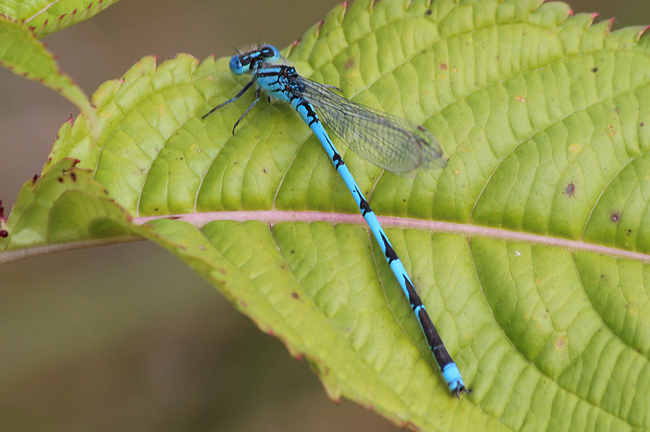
(126,337)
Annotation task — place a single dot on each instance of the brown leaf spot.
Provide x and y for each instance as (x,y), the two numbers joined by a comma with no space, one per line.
(570,189)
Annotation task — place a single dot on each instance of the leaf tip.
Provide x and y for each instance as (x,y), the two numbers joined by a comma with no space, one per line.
(641,33)
(293,46)
(319,26)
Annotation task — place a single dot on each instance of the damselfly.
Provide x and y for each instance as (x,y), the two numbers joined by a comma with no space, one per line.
(387,141)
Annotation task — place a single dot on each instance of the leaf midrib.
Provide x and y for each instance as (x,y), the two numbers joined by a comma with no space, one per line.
(273,217)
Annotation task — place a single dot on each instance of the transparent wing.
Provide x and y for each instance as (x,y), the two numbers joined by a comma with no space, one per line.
(390,142)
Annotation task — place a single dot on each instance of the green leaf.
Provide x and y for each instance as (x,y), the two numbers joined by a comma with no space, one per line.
(44,17)
(23,54)
(529,250)
(65,205)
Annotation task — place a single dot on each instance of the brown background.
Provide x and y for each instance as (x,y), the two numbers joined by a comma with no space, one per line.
(126,337)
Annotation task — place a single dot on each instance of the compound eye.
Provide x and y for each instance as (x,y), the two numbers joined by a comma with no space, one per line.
(236,66)
(270,52)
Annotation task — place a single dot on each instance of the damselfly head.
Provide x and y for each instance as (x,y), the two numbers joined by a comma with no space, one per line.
(247,62)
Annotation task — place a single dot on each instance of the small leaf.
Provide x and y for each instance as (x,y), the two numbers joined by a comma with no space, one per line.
(44,17)
(24,55)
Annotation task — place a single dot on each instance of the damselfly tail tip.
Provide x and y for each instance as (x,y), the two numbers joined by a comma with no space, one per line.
(458,391)
(452,377)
